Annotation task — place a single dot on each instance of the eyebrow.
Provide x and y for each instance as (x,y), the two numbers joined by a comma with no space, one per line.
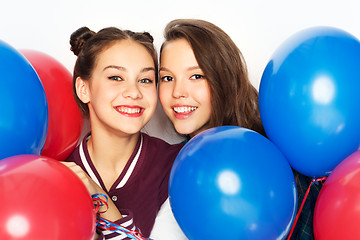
(194,68)
(146,69)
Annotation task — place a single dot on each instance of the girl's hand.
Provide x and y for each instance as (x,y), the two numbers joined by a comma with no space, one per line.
(110,212)
(91,186)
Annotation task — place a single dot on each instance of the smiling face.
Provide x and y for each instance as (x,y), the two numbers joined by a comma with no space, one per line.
(183,89)
(121,93)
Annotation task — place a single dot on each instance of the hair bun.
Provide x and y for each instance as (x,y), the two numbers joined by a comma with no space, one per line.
(79,38)
(149,36)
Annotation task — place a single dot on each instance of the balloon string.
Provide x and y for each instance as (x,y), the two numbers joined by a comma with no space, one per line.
(303,202)
(105,224)
(98,202)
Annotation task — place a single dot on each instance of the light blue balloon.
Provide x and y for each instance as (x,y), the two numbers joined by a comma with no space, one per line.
(23,104)
(309,99)
(232,183)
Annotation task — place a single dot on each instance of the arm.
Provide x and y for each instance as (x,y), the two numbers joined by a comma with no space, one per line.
(166,227)
(126,221)
(111,213)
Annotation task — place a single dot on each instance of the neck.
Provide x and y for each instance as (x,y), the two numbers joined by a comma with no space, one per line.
(111,150)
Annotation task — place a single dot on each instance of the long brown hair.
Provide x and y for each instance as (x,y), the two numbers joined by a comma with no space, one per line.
(234,99)
(87,45)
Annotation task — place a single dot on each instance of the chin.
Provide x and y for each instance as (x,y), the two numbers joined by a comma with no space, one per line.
(184,131)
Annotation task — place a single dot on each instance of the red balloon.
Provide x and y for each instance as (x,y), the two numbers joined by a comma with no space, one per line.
(40,198)
(337,210)
(65,119)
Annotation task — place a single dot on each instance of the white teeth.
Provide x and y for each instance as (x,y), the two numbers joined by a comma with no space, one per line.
(129,110)
(184,109)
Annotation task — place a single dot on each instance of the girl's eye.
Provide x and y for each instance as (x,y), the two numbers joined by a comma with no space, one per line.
(197,76)
(115,78)
(146,80)
(167,79)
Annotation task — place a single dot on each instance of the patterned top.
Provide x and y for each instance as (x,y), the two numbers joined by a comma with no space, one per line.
(141,188)
(304,227)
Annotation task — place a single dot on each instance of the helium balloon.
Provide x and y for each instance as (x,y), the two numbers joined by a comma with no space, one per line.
(337,207)
(24,111)
(40,198)
(309,99)
(65,119)
(235,184)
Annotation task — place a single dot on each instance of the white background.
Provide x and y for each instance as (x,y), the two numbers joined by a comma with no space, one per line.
(257,27)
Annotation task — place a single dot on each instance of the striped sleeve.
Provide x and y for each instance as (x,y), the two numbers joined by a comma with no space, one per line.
(126,221)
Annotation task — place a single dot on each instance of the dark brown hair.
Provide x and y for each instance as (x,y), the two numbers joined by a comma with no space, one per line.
(87,45)
(234,99)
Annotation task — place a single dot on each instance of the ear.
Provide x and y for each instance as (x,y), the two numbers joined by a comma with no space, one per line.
(82,90)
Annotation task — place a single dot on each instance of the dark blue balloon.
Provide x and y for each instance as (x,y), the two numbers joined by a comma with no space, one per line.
(309,99)
(232,183)
(23,104)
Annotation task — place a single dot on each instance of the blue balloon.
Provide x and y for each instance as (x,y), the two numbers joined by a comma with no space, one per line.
(309,99)
(23,104)
(232,183)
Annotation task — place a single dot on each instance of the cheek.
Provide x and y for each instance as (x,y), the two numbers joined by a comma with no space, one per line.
(151,96)
(164,94)
(101,90)
(202,93)
(94,93)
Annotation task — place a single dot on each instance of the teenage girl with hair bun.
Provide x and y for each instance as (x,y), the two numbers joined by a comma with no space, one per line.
(114,84)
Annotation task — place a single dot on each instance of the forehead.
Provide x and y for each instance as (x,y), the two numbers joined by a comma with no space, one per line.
(125,51)
(178,51)
(180,44)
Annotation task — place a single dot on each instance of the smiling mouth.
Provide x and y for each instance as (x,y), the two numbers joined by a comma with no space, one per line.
(184,110)
(130,111)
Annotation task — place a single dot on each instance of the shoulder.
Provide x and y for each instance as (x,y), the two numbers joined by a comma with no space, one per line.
(159,145)
(75,156)
(159,151)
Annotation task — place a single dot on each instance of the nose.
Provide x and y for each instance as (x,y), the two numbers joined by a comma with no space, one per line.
(180,90)
(131,90)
